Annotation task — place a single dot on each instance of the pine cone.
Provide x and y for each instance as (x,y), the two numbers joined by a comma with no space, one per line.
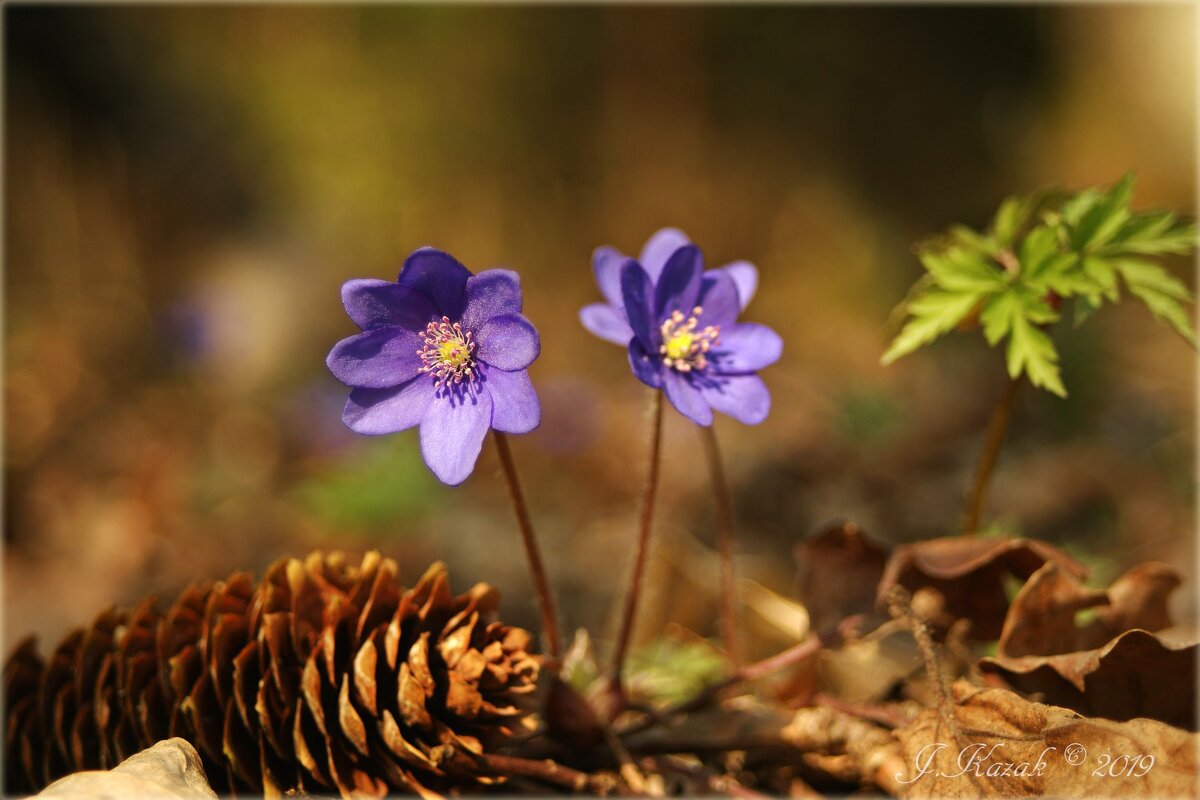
(323,677)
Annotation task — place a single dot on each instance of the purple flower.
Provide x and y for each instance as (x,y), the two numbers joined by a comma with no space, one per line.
(680,326)
(443,349)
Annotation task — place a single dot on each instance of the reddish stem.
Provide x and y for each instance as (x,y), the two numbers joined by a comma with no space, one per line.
(537,570)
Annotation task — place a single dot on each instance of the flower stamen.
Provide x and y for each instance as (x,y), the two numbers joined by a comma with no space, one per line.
(685,345)
(448,353)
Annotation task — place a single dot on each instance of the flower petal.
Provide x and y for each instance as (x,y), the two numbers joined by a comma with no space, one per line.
(508,342)
(452,432)
(659,248)
(489,294)
(606,266)
(646,368)
(371,303)
(603,321)
(515,405)
(679,285)
(439,277)
(745,347)
(745,277)
(374,412)
(637,293)
(686,398)
(743,397)
(376,359)
(718,298)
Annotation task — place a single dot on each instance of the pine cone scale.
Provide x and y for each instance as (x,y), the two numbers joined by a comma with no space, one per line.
(323,676)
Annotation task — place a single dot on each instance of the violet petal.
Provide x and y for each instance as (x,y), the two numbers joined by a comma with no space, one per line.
(647,368)
(679,285)
(376,359)
(743,397)
(374,412)
(606,266)
(509,342)
(718,298)
(745,347)
(452,432)
(659,248)
(440,277)
(371,303)
(686,398)
(637,294)
(491,293)
(515,405)
(745,277)
(602,320)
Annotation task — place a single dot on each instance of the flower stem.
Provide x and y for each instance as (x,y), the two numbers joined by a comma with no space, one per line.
(643,541)
(997,425)
(532,551)
(728,619)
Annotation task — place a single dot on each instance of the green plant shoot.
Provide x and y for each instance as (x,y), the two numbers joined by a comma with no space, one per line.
(1039,252)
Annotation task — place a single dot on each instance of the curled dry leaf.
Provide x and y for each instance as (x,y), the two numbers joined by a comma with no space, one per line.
(1134,675)
(1013,747)
(839,569)
(1041,620)
(1112,666)
(170,770)
(970,573)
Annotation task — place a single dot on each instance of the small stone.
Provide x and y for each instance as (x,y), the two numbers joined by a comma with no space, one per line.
(170,770)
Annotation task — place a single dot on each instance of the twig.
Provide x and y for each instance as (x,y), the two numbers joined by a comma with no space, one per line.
(714,781)
(723,500)
(750,672)
(537,570)
(628,769)
(997,425)
(543,770)
(900,605)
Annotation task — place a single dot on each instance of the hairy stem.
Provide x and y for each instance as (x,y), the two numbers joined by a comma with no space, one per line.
(997,425)
(642,547)
(728,618)
(536,569)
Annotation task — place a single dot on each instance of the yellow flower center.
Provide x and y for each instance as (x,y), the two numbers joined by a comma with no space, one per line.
(685,345)
(453,354)
(448,354)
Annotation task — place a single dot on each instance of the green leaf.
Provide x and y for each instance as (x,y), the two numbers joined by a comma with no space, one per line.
(1104,276)
(1162,293)
(959,270)
(1013,213)
(1103,219)
(974,241)
(1001,312)
(1153,233)
(934,313)
(1074,208)
(1031,351)
(997,316)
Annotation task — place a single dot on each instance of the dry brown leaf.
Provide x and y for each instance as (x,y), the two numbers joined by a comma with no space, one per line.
(1012,747)
(1134,675)
(970,572)
(1041,620)
(839,570)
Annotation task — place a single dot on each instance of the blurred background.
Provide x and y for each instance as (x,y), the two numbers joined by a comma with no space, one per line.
(188,187)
